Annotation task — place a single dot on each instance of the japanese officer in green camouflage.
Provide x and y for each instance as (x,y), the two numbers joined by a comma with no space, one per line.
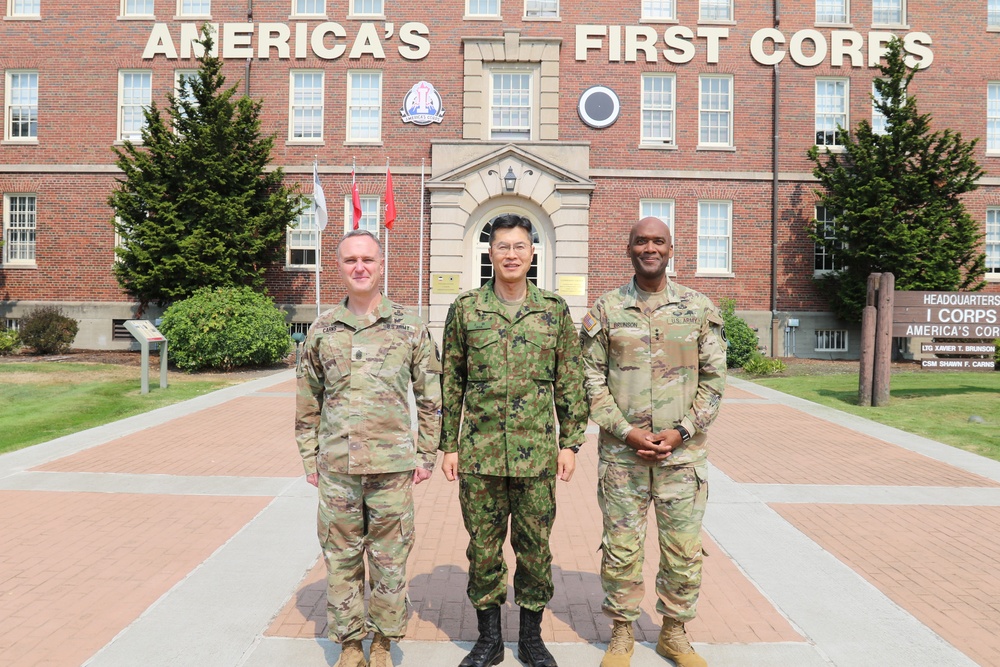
(514,415)
(655,360)
(353,429)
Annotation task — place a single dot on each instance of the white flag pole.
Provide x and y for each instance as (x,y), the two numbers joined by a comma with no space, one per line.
(385,247)
(319,209)
(420,265)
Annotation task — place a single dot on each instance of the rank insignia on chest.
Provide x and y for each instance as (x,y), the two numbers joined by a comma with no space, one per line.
(358,354)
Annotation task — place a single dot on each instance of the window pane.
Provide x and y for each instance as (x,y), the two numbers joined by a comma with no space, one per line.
(658,9)
(310,7)
(484,7)
(136,96)
(657,109)
(368,7)
(993,13)
(715,10)
(993,240)
(716,105)
(369,214)
(713,236)
(831,111)
(307,105)
(22,109)
(26,8)
(662,209)
(887,11)
(138,7)
(20,228)
(365,106)
(831,340)
(302,238)
(826,256)
(878,119)
(544,8)
(993,117)
(196,7)
(511,106)
(831,11)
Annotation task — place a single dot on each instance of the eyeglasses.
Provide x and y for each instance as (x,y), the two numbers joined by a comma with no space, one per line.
(518,248)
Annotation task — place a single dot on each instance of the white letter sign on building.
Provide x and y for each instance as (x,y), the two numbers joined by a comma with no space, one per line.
(946,315)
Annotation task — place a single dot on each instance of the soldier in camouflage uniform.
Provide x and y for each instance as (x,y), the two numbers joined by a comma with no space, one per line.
(655,360)
(352,424)
(511,368)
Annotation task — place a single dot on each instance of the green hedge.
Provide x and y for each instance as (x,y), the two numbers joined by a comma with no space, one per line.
(742,339)
(9,340)
(47,330)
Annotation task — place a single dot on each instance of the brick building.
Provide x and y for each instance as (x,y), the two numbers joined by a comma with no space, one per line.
(595,113)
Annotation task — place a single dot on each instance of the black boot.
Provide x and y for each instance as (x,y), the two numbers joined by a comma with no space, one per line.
(530,649)
(489,647)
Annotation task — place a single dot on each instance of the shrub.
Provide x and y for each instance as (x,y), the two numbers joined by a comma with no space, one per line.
(225,328)
(47,330)
(742,339)
(758,364)
(8,340)
(996,354)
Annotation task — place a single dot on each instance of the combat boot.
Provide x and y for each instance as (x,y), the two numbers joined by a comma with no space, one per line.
(489,647)
(674,644)
(351,654)
(530,649)
(622,646)
(380,656)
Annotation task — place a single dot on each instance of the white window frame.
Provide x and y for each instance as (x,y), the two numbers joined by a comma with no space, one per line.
(296,12)
(24,9)
(821,252)
(183,93)
(371,213)
(993,117)
(126,13)
(711,111)
(9,106)
(191,12)
(469,14)
(878,118)
(846,115)
(669,110)
(134,138)
(664,210)
(707,10)
(993,15)
(510,131)
(658,10)
(302,236)
(704,238)
(991,244)
(541,10)
(293,108)
(31,231)
(831,340)
(827,7)
(886,6)
(359,8)
(355,104)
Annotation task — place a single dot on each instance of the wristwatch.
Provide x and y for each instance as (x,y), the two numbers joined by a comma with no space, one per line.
(685,436)
(575,449)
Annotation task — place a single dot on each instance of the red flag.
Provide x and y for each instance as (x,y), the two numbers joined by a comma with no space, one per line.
(356,200)
(390,200)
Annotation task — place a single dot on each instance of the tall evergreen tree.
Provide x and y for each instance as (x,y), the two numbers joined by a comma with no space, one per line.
(195,207)
(897,200)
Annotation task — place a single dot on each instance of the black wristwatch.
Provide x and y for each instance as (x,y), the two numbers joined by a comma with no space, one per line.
(575,449)
(685,436)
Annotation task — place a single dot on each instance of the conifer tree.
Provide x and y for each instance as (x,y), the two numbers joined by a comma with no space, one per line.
(195,207)
(896,197)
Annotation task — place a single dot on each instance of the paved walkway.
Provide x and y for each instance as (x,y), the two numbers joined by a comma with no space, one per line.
(186,536)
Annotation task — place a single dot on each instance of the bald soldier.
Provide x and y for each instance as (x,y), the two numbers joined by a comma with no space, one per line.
(655,359)
(352,425)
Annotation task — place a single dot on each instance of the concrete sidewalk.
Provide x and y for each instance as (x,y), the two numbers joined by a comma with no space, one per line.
(186,536)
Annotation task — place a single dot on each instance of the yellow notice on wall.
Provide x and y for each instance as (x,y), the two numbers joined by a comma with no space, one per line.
(572,286)
(445,283)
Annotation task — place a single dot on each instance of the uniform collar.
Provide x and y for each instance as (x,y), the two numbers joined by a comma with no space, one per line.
(382,311)
(487,301)
(630,293)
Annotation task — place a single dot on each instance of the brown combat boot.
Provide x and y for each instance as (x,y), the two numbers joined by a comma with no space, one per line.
(622,646)
(674,644)
(379,655)
(351,654)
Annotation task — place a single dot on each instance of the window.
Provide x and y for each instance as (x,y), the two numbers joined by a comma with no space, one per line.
(486,266)
(306,113)
(993,14)
(653,10)
(302,238)
(22,106)
(301,328)
(13,324)
(364,106)
(993,242)
(137,7)
(510,105)
(878,119)
(993,118)
(182,86)
(194,7)
(831,111)
(831,340)
(369,214)
(716,10)
(366,7)
(29,8)
(489,8)
(888,12)
(119,332)
(19,230)
(826,256)
(664,210)
(831,11)
(715,119)
(134,95)
(714,233)
(657,109)
(541,8)
(309,7)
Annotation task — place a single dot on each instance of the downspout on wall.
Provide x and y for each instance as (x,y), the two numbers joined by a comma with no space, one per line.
(246,73)
(775,144)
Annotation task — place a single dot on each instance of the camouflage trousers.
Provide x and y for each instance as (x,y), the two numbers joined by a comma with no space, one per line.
(373,515)
(678,496)
(530,503)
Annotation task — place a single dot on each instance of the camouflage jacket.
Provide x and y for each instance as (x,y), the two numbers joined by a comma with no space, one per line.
(654,371)
(352,408)
(502,378)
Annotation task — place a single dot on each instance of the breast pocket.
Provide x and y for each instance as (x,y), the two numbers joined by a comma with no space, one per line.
(392,355)
(540,350)
(334,350)
(485,356)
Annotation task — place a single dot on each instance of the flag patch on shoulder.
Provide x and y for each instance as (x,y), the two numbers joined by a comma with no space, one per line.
(591,324)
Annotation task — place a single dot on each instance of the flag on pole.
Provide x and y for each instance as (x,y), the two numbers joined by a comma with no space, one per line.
(319,199)
(355,200)
(390,200)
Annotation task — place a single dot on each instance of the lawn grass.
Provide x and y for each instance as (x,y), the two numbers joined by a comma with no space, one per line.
(936,405)
(42,401)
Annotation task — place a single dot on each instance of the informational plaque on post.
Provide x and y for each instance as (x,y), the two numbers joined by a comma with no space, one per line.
(146,332)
